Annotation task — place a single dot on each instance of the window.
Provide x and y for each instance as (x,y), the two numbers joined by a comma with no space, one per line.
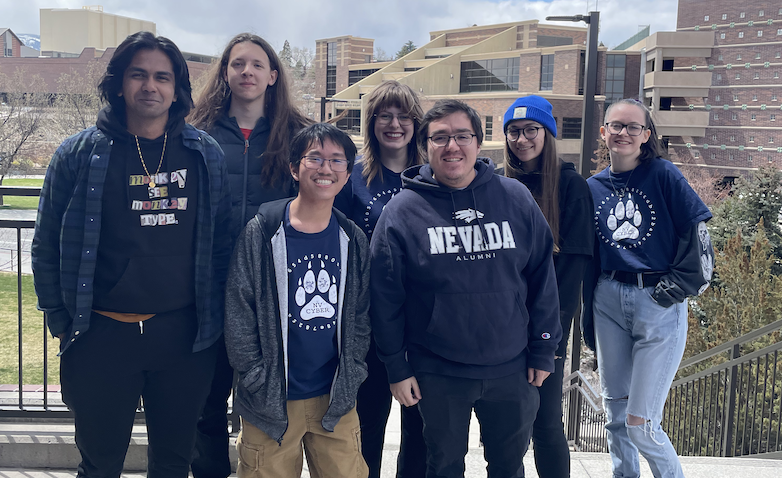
(716,116)
(713,155)
(749,158)
(753,117)
(780,12)
(696,154)
(735,97)
(738,57)
(547,40)
(714,136)
(773,97)
(760,33)
(500,74)
(730,156)
(756,75)
(742,15)
(757,56)
(779,31)
(769,159)
(719,76)
(350,123)
(776,74)
(571,128)
(771,140)
(751,139)
(546,72)
(722,36)
(761,13)
(754,97)
(717,99)
(354,76)
(706,18)
(331,70)
(778,54)
(719,57)
(724,16)
(734,116)
(732,137)
(741,34)
(489,127)
(773,117)
(615,78)
(738,76)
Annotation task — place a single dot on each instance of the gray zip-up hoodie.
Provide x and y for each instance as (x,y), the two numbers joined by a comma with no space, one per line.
(256,325)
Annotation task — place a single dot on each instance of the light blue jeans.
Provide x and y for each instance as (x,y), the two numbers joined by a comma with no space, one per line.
(639,347)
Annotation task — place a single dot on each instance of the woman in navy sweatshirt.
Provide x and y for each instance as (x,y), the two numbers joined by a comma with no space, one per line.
(392,118)
(563,196)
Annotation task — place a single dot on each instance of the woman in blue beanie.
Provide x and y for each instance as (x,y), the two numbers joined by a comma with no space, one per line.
(563,196)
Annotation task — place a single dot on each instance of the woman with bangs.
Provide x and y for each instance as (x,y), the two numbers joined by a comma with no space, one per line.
(563,196)
(391,122)
(246,106)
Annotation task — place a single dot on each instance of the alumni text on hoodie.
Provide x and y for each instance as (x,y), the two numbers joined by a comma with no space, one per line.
(463,281)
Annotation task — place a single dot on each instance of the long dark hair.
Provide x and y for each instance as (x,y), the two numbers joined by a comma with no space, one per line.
(547,196)
(388,94)
(110,85)
(215,98)
(653,147)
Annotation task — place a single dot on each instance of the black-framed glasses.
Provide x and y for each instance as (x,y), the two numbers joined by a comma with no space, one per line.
(529,132)
(384,119)
(461,139)
(633,129)
(337,165)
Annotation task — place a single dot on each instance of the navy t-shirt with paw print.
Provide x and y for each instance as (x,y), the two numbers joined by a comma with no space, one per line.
(641,213)
(313,283)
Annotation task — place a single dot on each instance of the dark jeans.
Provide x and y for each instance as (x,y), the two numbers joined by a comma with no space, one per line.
(211,458)
(105,372)
(505,407)
(552,455)
(374,406)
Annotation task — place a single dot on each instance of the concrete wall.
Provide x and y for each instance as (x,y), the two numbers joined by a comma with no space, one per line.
(71,31)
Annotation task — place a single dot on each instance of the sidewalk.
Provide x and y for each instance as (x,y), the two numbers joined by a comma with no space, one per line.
(40,443)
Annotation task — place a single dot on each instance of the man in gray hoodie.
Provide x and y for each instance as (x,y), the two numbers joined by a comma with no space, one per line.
(297,323)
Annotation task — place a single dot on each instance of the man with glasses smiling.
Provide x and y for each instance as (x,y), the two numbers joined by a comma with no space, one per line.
(465,310)
(297,325)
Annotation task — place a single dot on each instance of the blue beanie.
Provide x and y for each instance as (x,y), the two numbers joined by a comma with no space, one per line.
(534,108)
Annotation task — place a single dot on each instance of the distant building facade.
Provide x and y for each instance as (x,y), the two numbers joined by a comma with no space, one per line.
(487,67)
(10,44)
(714,85)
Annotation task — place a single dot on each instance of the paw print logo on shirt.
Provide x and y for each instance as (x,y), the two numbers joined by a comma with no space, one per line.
(317,293)
(624,220)
(627,220)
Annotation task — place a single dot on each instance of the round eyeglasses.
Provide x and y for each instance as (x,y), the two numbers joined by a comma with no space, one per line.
(442,140)
(337,165)
(633,129)
(384,119)
(529,132)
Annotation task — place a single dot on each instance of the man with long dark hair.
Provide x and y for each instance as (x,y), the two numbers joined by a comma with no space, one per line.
(130,254)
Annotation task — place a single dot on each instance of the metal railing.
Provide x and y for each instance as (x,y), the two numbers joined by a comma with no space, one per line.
(584,417)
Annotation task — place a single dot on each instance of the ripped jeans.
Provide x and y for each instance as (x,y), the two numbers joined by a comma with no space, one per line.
(639,347)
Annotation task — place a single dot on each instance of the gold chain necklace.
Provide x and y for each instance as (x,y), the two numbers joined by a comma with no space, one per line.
(627,183)
(138,146)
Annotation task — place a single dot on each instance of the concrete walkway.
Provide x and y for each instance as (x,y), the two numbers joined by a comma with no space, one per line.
(52,453)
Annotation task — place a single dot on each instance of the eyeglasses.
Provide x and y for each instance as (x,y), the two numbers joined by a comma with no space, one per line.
(633,129)
(337,165)
(442,140)
(529,132)
(384,119)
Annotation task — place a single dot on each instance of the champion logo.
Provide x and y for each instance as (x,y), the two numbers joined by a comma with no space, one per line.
(546,336)
(468,215)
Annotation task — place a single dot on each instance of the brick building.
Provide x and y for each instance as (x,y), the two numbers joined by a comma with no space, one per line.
(714,85)
(10,44)
(488,67)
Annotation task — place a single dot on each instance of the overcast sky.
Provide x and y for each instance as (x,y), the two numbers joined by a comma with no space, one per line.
(205,26)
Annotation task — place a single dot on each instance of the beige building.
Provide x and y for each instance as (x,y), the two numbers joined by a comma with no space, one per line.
(487,67)
(71,30)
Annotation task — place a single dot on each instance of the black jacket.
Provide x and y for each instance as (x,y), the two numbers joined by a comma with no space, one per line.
(244,159)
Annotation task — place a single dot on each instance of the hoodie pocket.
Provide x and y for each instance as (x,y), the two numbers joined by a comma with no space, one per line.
(487,328)
(253,379)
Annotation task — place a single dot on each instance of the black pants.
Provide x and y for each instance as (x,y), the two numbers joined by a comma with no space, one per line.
(552,455)
(505,408)
(373,407)
(105,372)
(211,458)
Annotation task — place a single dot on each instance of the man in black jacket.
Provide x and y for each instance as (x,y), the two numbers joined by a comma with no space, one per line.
(464,298)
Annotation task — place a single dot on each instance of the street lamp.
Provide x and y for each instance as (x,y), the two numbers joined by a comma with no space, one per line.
(590,84)
(323,101)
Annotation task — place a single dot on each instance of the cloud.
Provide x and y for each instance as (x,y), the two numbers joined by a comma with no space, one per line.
(202,26)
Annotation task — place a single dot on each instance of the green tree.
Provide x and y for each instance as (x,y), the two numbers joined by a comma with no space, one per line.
(286,56)
(406,48)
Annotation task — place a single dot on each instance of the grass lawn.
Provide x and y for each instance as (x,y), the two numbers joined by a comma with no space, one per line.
(21,202)
(32,335)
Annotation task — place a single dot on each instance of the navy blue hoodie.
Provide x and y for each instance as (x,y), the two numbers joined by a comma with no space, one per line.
(463,281)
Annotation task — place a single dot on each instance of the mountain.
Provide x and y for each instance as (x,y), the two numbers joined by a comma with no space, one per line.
(30,39)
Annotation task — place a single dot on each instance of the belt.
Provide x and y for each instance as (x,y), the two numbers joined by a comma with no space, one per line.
(647,279)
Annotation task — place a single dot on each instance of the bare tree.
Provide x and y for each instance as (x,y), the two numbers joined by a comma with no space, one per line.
(22,118)
(302,61)
(78,102)
(381,55)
